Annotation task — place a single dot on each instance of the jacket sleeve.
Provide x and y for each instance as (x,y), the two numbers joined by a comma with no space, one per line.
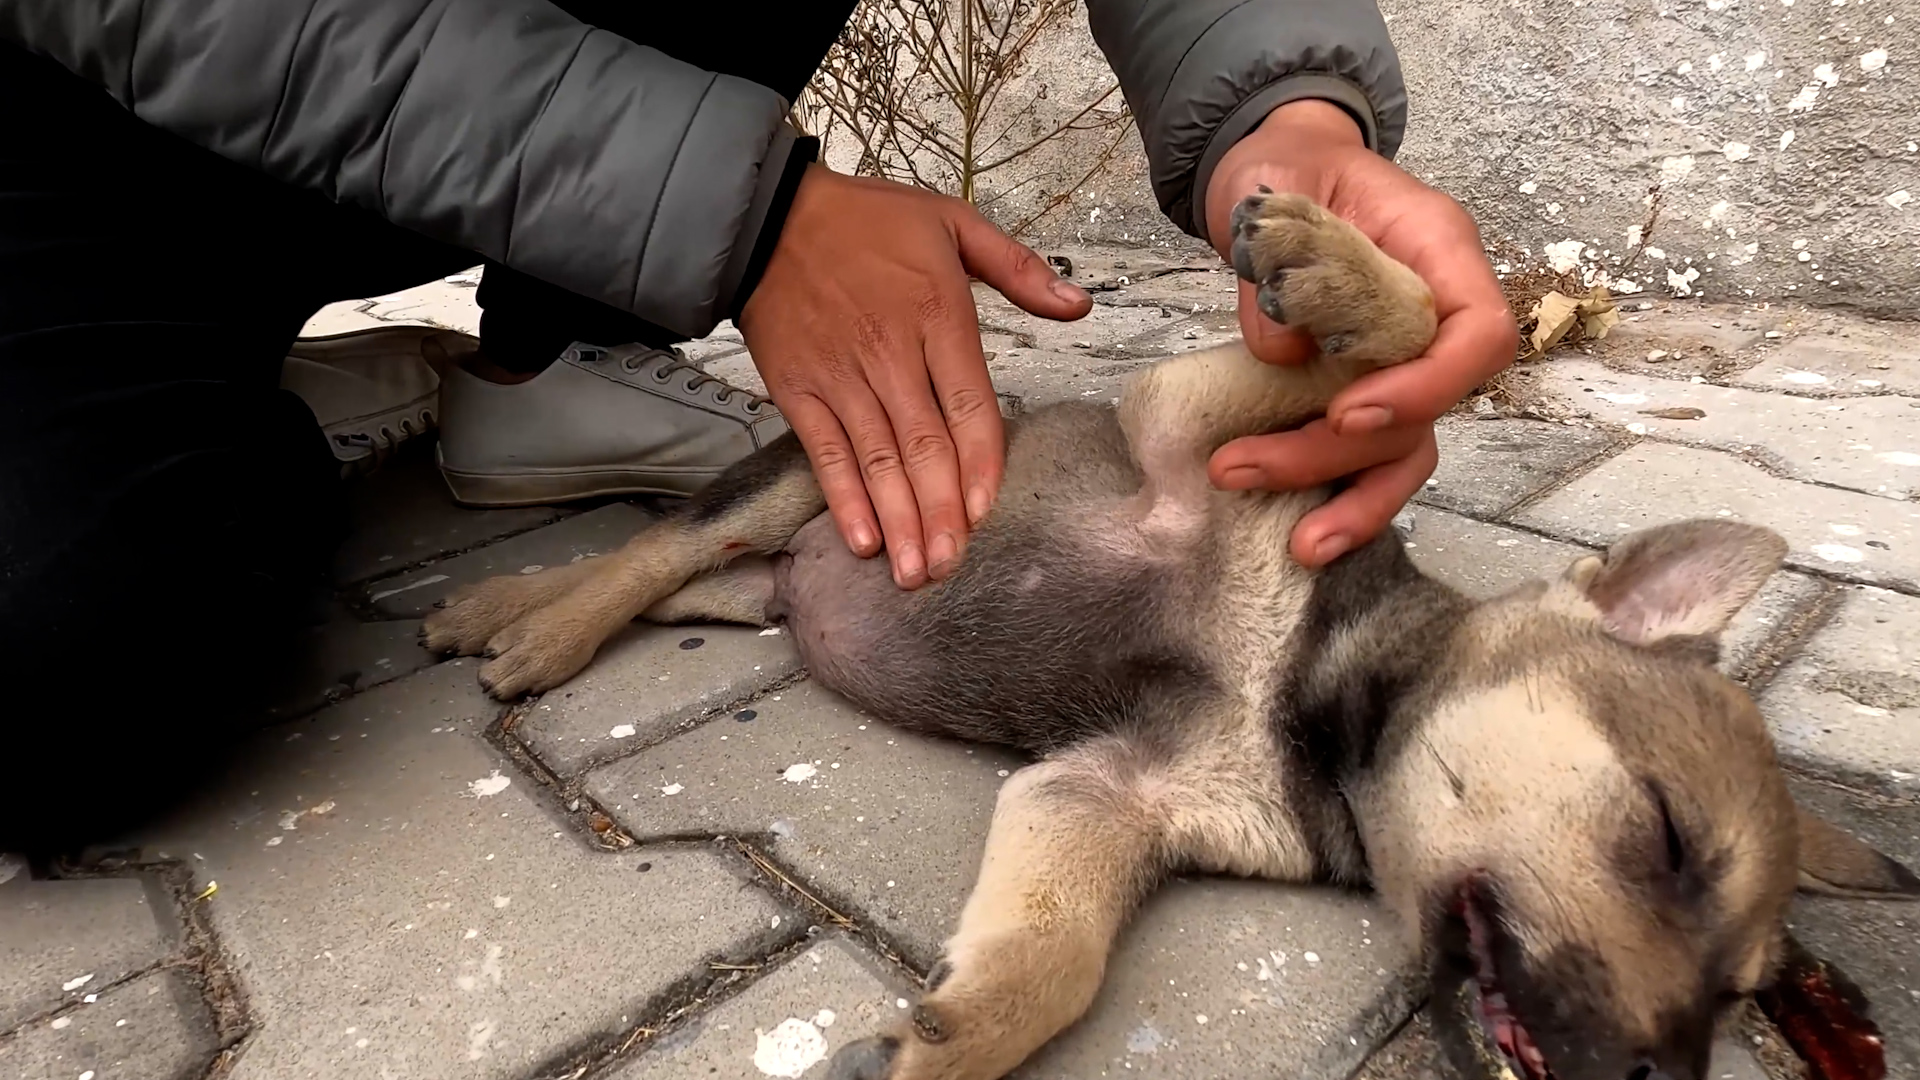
(1200,74)
(505,127)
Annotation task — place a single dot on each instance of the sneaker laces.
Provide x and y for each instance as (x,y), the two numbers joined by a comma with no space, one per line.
(677,361)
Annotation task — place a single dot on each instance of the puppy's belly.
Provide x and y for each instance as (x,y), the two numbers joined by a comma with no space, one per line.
(845,613)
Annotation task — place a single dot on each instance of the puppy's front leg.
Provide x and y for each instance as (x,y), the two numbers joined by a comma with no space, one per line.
(1071,852)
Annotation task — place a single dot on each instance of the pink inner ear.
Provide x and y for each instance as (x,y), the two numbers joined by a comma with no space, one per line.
(1644,604)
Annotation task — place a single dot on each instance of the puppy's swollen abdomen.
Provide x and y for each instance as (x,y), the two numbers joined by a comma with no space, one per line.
(844,612)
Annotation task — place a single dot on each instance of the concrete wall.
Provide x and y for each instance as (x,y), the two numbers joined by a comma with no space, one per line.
(1552,119)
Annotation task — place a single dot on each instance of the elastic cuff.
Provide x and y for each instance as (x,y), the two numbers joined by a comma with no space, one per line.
(772,201)
(1253,109)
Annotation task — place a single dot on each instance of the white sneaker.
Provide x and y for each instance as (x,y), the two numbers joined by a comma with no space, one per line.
(372,389)
(601,421)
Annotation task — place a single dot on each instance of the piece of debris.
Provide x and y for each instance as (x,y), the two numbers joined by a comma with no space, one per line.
(1559,319)
(1679,412)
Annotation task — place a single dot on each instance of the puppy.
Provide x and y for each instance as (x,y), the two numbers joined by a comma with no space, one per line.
(1579,821)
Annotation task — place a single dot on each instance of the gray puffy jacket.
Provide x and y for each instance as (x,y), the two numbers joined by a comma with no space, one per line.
(511,129)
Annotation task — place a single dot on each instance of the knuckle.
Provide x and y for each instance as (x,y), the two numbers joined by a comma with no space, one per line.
(932,307)
(967,404)
(880,462)
(873,333)
(926,449)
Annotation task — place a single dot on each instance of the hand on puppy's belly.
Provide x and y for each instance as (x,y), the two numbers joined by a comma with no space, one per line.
(845,613)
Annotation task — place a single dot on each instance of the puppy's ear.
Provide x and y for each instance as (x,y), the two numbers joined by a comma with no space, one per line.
(1686,580)
(1833,863)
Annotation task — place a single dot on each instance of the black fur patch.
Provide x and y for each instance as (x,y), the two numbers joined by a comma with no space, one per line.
(1333,710)
(746,478)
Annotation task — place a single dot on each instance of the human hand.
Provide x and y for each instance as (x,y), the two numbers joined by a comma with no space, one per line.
(1380,429)
(864,328)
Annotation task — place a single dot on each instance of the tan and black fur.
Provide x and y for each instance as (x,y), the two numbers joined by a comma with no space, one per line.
(1555,790)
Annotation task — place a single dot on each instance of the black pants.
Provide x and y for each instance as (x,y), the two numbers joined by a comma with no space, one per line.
(165,509)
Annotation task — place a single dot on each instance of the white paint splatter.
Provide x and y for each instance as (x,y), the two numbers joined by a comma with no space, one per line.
(1844,530)
(672,789)
(1624,399)
(479,1034)
(824,1018)
(1786,138)
(1755,60)
(1839,553)
(1685,68)
(1310,957)
(274,841)
(1529,188)
(799,773)
(492,784)
(1565,255)
(533,568)
(1682,284)
(502,901)
(771,631)
(74,984)
(1634,235)
(621,731)
(431,579)
(790,1049)
(1899,199)
(60,1023)
(1736,151)
(1676,168)
(1716,62)
(1804,100)
(1873,60)
(1900,457)
(1827,75)
(1804,378)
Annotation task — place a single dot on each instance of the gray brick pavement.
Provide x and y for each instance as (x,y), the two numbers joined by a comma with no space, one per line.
(398,894)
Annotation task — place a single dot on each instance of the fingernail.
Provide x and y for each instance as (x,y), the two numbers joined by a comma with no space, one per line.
(1364,420)
(940,554)
(909,568)
(1330,548)
(1242,477)
(978,503)
(862,538)
(1067,291)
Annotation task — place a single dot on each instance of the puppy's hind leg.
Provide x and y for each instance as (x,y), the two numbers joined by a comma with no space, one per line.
(540,636)
(1315,272)
(1072,850)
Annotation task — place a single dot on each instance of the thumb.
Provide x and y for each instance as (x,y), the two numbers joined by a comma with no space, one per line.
(1015,271)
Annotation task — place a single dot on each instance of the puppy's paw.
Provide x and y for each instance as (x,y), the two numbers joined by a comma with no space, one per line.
(1320,274)
(538,653)
(473,615)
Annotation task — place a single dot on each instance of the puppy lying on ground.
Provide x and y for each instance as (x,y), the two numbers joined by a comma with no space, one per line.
(1578,819)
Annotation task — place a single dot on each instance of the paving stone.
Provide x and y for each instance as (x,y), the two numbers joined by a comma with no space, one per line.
(62,940)
(152,1028)
(1876,943)
(1039,377)
(1485,560)
(343,656)
(448,303)
(1869,360)
(1869,444)
(832,994)
(412,595)
(1104,325)
(1844,533)
(1240,978)
(1488,466)
(889,823)
(1849,705)
(403,515)
(1201,331)
(645,683)
(400,901)
(1693,343)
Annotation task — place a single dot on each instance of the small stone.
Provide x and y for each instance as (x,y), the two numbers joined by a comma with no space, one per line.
(745,715)
(693,643)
